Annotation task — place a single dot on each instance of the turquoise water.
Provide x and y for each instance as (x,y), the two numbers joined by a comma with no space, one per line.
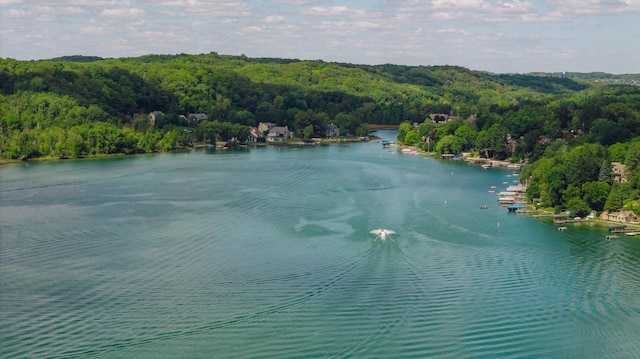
(266,253)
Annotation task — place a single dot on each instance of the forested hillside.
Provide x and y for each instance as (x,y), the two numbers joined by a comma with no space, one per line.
(80,106)
(569,128)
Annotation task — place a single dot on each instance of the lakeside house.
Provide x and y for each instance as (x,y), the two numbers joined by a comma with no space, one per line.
(622,216)
(441,117)
(274,133)
(265,126)
(278,134)
(618,172)
(153,115)
(254,134)
(332,130)
(197,117)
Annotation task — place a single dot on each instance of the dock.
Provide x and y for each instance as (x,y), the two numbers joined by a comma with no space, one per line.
(618,229)
(516,208)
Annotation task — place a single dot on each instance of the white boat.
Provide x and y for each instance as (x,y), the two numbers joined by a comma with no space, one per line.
(382,233)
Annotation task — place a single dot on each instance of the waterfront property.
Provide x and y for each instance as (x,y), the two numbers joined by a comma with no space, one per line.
(622,216)
(506,200)
(618,229)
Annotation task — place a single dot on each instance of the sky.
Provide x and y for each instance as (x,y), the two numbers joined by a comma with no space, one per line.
(501,36)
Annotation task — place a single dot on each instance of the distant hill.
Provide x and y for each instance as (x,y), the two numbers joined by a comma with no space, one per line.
(599,77)
(64,107)
(77,58)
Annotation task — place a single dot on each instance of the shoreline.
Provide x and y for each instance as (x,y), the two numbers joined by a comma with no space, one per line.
(296,143)
(530,209)
(601,224)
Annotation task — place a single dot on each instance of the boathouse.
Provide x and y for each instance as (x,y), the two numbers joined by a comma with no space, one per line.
(618,229)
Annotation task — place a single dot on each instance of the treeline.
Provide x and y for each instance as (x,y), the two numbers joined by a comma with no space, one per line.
(570,142)
(79,106)
(580,178)
(523,128)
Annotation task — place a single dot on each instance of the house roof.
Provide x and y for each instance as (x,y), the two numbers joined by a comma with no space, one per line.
(279,129)
(619,167)
(199,116)
(627,214)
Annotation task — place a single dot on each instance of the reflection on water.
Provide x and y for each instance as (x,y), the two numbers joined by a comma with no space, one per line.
(267,252)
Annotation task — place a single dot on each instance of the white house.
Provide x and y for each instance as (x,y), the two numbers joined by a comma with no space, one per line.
(278,133)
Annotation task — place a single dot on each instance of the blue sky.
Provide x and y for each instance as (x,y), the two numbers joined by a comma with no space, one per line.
(489,35)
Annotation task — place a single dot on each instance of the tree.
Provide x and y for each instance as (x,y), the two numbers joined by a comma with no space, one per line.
(244,117)
(618,151)
(174,138)
(606,173)
(632,165)
(498,141)
(535,173)
(308,132)
(363,130)
(343,121)
(449,144)
(570,193)
(584,163)
(449,129)
(427,130)
(411,138)
(607,132)
(207,131)
(595,194)
(467,135)
(616,198)
(579,207)
(555,182)
(483,143)
(403,129)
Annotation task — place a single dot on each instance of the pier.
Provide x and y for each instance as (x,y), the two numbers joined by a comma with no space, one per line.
(618,229)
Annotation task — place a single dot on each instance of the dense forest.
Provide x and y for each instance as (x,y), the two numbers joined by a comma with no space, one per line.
(569,128)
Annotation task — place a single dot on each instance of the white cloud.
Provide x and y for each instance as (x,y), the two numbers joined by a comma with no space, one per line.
(448,16)
(18,13)
(58,10)
(275,19)
(93,30)
(122,12)
(204,8)
(249,30)
(325,11)
(470,6)
(594,7)
(296,2)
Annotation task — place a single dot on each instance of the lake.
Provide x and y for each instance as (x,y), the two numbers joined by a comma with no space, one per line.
(266,252)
